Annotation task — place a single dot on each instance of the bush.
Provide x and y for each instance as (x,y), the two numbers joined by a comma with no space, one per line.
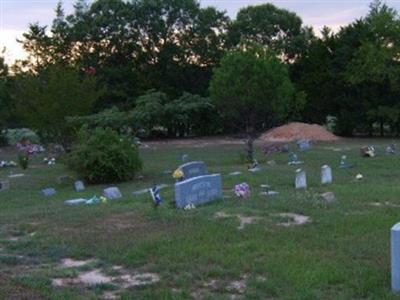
(104,156)
(14,136)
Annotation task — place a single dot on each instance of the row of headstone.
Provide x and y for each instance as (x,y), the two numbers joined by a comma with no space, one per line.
(304,144)
(301,177)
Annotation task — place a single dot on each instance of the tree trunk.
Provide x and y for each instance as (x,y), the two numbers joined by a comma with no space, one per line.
(250,148)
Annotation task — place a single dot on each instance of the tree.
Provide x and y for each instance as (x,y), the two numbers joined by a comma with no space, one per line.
(277,29)
(375,68)
(252,91)
(43,101)
(4,94)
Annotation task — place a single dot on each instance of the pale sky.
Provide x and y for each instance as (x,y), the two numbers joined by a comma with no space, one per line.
(15,15)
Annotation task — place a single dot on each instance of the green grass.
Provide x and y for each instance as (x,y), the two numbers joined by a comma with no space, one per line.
(344,253)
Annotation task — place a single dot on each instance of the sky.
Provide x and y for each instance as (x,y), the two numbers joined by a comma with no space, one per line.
(15,15)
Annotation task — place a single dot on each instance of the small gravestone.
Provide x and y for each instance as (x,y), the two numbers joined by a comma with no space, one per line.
(79,186)
(75,201)
(198,190)
(301,179)
(112,193)
(304,144)
(395,255)
(391,149)
(185,158)
(344,164)
(294,159)
(193,169)
(4,185)
(48,192)
(329,197)
(236,173)
(326,174)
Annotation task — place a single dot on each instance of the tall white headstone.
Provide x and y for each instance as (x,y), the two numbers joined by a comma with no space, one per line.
(326,174)
(395,253)
(301,179)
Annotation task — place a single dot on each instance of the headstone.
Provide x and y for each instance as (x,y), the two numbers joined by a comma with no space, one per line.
(294,159)
(112,193)
(344,164)
(395,255)
(236,173)
(391,149)
(4,185)
(75,201)
(304,144)
(198,190)
(16,175)
(48,192)
(326,174)
(266,190)
(193,169)
(301,179)
(79,186)
(329,197)
(254,167)
(185,158)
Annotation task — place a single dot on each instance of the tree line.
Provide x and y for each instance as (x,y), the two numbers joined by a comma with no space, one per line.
(173,68)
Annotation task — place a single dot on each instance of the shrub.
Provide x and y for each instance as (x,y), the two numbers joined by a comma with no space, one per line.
(23,160)
(104,156)
(14,136)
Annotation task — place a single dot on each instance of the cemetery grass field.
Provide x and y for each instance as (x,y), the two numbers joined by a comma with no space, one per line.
(343,253)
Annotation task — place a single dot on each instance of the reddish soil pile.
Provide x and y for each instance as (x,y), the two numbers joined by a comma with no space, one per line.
(295,131)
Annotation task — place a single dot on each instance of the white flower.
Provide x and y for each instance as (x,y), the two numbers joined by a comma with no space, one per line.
(359,176)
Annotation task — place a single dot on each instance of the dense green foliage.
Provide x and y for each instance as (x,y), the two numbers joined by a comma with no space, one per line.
(253,91)
(104,156)
(170,48)
(44,100)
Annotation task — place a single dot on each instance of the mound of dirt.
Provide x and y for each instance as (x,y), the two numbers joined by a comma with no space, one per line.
(296,131)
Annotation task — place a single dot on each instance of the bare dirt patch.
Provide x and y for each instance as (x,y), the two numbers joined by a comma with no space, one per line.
(72,263)
(242,219)
(296,131)
(294,219)
(383,204)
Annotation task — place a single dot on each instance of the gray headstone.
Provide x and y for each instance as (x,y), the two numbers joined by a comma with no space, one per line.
(395,254)
(329,197)
(304,144)
(75,201)
(301,179)
(326,174)
(49,192)
(79,186)
(185,158)
(4,185)
(198,190)
(112,193)
(194,169)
